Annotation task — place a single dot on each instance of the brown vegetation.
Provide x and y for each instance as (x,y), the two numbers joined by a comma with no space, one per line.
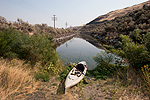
(117,13)
(27,28)
(108,32)
(128,37)
(15,79)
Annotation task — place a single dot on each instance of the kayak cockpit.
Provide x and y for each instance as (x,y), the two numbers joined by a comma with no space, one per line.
(78,70)
(80,67)
(76,74)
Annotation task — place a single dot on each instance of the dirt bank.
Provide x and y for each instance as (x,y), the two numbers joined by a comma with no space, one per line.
(92,40)
(93,90)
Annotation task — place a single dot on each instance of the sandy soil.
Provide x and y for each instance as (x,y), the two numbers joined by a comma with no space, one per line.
(109,89)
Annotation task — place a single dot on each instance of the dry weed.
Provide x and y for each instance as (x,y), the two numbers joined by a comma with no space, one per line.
(13,78)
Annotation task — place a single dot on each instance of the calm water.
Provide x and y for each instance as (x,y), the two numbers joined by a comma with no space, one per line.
(76,50)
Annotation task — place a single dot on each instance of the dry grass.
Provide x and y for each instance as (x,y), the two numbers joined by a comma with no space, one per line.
(14,78)
(17,82)
(146,76)
(127,85)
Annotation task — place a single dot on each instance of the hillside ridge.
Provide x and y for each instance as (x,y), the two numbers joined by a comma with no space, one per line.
(117,13)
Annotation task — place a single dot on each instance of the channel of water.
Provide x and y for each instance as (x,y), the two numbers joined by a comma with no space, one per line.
(78,49)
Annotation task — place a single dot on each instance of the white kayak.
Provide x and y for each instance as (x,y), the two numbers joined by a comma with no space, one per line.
(76,74)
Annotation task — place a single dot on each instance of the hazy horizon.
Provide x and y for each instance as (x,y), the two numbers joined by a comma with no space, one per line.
(75,13)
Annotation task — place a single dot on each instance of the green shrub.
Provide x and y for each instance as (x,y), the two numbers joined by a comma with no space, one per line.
(104,66)
(108,47)
(33,49)
(147,41)
(135,54)
(6,39)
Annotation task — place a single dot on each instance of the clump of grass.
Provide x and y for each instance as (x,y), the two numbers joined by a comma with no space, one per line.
(14,79)
(44,76)
(146,76)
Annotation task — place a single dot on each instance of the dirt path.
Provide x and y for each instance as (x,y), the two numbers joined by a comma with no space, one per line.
(46,91)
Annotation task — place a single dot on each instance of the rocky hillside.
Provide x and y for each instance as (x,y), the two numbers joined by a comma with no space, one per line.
(113,14)
(130,24)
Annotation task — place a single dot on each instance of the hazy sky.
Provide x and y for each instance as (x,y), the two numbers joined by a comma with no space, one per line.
(74,12)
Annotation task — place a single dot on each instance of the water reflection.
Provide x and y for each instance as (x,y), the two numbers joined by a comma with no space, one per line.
(66,44)
(76,50)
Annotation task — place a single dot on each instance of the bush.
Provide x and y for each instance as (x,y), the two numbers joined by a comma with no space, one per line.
(33,49)
(5,41)
(105,66)
(136,55)
(147,41)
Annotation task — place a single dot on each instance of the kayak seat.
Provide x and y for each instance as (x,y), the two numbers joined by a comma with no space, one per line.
(79,74)
(80,67)
(76,72)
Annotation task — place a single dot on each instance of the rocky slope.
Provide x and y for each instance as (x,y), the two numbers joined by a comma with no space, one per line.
(113,14)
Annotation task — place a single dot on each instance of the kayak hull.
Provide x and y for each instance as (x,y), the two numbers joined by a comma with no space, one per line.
(76,74)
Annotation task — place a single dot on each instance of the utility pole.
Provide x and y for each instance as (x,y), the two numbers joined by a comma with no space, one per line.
(54,19)
(66,24)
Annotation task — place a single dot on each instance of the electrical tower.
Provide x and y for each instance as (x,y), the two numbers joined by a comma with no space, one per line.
(66,24)
(54,19)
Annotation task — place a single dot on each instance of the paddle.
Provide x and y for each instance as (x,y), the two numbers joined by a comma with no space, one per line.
(88,78)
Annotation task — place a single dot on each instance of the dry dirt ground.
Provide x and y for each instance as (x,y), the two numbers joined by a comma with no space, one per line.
(110,89)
